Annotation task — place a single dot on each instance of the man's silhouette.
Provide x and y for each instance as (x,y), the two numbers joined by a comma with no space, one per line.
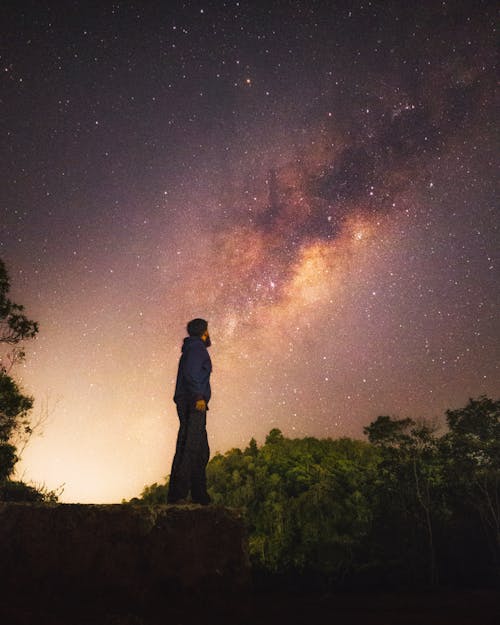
(192,394)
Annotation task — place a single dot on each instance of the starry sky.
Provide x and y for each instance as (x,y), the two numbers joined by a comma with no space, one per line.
(317,179)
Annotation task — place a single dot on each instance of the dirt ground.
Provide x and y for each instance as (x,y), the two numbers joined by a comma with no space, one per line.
(439,608)
(474,607)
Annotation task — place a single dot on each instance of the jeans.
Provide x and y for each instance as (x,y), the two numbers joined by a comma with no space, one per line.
(191,457)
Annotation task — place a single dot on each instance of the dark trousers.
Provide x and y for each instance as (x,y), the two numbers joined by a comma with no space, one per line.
(191,457)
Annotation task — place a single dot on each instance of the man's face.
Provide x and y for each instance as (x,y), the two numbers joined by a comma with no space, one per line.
(205,337)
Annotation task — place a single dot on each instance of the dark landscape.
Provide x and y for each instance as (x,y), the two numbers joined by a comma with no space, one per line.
(466,607)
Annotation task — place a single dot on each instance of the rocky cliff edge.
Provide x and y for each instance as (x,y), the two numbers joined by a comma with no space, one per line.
(61,550)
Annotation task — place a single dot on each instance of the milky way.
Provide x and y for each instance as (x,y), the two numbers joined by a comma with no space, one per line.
(315,179)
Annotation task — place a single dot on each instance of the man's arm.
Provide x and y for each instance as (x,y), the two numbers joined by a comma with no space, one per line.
(194,376)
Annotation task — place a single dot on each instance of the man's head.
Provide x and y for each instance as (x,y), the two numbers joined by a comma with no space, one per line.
(199,327)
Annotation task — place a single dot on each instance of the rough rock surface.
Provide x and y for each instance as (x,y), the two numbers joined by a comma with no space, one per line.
(140,552)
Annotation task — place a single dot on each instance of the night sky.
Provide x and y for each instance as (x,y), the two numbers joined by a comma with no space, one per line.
(317,179)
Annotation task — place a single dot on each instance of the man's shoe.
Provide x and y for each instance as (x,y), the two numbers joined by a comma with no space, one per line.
(204,501)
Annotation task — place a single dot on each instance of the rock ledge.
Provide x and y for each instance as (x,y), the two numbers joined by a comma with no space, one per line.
(135,551)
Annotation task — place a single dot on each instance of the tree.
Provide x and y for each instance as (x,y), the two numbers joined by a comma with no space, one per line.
(472,452)
(15,406)
(15,327)
(412,477)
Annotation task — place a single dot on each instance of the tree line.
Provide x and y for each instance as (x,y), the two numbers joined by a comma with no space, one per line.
(410,505)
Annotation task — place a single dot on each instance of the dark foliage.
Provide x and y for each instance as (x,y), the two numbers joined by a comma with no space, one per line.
(20,491)
(15,406)
(14,325)
(410,506)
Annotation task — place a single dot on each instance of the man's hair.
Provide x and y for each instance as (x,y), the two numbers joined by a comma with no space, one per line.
(196,327)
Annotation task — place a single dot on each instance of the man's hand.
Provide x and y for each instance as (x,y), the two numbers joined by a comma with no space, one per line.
(201,405)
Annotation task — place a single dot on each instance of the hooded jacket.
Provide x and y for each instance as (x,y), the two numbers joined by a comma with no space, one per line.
(193,376)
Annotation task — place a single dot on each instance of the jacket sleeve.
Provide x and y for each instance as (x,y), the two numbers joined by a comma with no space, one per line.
(194,373)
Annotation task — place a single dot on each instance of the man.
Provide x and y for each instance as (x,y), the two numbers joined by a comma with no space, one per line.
(192,394)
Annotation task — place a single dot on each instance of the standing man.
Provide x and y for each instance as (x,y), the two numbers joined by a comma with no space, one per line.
(192,394)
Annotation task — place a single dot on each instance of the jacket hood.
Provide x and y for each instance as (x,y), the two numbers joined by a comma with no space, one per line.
(189,341)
